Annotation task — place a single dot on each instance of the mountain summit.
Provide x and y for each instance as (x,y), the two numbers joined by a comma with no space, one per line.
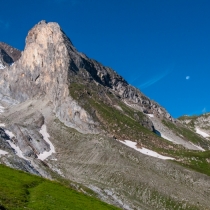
(66,115)
(48,66)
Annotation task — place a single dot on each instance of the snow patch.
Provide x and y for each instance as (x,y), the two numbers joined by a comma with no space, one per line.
(1,109)
(17,149)
(197,130)
(127,104)
(55,159)
(46,136)
(145,151)
(58,171)
(2,152)
(150,115)
(10,134)
(2,66)
(167,138)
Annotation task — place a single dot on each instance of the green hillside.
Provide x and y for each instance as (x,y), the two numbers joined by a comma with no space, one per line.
(20,190)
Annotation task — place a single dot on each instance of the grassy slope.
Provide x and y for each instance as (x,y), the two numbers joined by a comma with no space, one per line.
(187,134)
(123,125)
(193,120)
(20,190)
(196,160)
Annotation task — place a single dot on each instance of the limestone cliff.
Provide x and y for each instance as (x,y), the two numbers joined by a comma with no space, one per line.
(48,66)
(42,71)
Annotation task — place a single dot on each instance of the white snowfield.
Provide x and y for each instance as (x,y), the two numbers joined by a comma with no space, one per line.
(18,151)
(2,152)
(1,109)
(9,133)
(144,150)
(2,66)
(167,138)
(197,130)
(150,115)
(46,136)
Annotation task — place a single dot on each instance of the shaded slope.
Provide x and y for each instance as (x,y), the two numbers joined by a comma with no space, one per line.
(8,55)
(14,53)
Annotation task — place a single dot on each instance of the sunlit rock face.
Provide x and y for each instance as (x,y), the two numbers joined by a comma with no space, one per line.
(47,67)
(42,71)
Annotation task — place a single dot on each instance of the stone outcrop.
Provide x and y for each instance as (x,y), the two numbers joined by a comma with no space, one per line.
(8,55)
(42,70)
(14,53)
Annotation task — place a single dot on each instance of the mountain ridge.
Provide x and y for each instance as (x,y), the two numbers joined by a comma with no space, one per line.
(105,76)
(54,95)
(8,55)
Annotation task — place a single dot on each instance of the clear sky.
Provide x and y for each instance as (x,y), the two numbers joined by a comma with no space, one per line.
(160,46)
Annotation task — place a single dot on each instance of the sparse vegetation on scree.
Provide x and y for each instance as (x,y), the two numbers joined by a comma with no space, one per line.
(20,190)
(187,134)
(123,125)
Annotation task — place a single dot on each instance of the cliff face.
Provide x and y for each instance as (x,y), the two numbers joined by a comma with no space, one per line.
(42,70)
(48,66)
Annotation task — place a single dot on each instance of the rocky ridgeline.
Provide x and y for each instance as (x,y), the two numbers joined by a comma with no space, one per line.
(8,55)
(47,66)
(200,121)
(14,53)
(51,80)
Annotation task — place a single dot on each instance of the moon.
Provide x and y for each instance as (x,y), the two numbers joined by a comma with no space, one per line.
(187,77)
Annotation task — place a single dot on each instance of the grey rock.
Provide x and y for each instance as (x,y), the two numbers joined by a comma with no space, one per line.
(8,54)
(48,66)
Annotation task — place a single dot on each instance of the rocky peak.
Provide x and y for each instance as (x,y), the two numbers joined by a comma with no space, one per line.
(42,71)
(49,65)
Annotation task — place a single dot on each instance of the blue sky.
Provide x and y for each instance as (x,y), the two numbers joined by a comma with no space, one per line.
(159,46)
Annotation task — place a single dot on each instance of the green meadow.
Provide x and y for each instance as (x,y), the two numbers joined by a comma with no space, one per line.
(20,190)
